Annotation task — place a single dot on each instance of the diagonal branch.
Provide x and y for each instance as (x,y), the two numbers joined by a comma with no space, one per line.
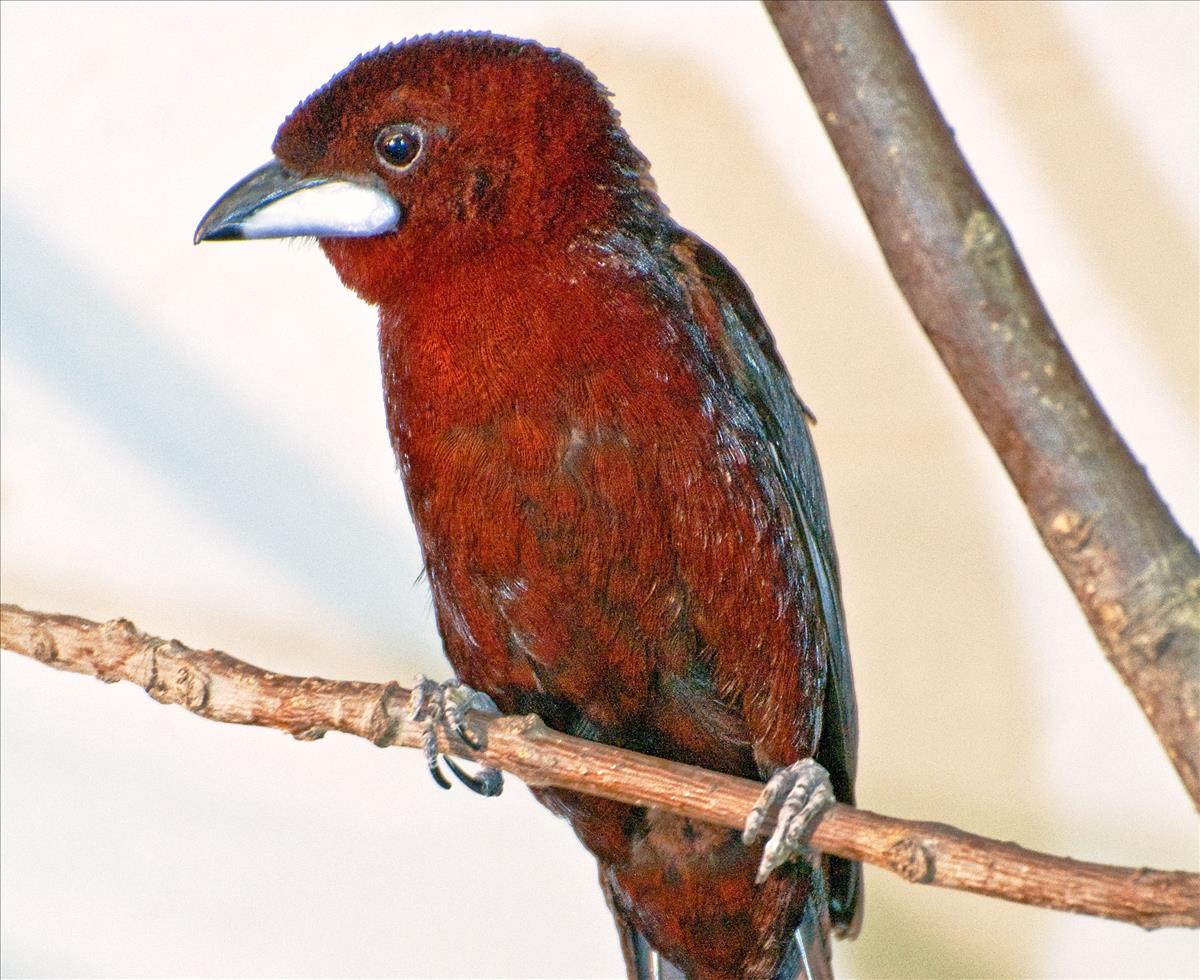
(219,687)
(1135,574)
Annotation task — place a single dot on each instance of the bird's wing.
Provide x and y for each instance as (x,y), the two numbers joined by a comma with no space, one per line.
(748,356)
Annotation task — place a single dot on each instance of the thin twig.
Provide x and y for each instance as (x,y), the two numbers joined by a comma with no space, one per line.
(1134,572)
(217,686)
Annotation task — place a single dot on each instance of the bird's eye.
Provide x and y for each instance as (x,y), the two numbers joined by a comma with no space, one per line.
(398,146)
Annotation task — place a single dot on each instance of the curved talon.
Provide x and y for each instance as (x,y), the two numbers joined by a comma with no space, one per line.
(439,777)
(467,736)
(429,748)
(437,705)
(487,782)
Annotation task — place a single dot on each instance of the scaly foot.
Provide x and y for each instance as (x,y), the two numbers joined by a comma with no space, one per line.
(806,790)
(447,704)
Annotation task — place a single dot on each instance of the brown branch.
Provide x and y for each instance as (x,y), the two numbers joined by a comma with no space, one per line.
(217,686)
(1134,572)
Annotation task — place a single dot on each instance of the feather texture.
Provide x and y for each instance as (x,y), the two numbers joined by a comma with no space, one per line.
(615,487)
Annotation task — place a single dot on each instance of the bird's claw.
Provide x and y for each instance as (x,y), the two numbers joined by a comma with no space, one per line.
(486,782)
(437,705)
(806,791)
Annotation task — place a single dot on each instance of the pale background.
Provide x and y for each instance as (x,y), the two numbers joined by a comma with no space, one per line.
(193,438)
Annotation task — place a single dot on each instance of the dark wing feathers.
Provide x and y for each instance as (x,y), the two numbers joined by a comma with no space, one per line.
(785,421)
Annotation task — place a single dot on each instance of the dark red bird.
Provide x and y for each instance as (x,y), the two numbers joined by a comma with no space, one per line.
(622,518)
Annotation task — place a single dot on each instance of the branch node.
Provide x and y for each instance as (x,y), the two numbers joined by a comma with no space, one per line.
(45,647)
(391,711)
(173,679)
(119,630)
(912,860)
(531,726)
(1074,530)
(983,235)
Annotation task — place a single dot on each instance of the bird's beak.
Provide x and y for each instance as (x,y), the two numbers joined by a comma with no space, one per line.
(274,203)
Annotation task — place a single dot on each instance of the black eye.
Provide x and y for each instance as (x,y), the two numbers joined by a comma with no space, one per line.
(398,146)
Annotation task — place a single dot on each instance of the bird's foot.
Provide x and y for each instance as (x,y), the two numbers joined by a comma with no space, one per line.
(447,704)
(806,790)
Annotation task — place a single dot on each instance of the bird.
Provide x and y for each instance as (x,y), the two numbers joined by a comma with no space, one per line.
(622,519)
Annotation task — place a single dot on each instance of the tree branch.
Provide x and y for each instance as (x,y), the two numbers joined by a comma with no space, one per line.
(222,688)
(1134,572)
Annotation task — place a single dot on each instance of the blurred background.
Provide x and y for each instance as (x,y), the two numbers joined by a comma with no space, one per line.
(193,438)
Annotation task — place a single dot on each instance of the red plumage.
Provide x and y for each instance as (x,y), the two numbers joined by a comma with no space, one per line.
(621,514)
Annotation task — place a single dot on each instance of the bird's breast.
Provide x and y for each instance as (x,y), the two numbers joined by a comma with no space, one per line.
(593,531)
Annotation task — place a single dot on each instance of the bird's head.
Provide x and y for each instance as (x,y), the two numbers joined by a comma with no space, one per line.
(436,149)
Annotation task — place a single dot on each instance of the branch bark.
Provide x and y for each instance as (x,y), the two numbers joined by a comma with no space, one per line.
(1135,574)
(219,687)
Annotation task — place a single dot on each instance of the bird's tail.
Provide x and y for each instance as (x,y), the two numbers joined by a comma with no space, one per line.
(812,947)
(808,957)
(651,965)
